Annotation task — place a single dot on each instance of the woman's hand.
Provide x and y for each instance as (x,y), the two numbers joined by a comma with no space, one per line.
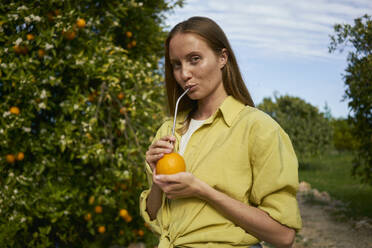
(157,150)
(180,185)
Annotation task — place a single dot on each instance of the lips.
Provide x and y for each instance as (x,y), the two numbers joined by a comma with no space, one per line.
(191,87)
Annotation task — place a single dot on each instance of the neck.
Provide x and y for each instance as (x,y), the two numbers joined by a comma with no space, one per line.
(208,105)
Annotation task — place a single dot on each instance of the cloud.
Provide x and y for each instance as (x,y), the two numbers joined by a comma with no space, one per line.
(295,28)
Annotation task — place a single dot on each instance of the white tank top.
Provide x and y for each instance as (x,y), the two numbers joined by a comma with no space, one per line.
(194,125)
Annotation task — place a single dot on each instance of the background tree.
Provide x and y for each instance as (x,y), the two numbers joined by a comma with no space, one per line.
(309,130)
(358,93)
(343,139)
(79,100)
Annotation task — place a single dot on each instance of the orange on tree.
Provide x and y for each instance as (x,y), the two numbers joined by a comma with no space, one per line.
(133,43)
(170,163)
(91,200)
(101,229)
(140,233)
(98,209)
(88,217)
(41,53)
(10,158)
(20,156)
(30,36)
(80,23)
(123,213)
(14,110)
(121,232)
(69,35)
(128,218)
(129,34)
(17,49)
(121,96)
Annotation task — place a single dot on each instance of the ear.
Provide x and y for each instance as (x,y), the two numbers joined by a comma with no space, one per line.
(223,58)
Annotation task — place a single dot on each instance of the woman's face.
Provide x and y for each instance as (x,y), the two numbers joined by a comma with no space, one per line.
(196,66)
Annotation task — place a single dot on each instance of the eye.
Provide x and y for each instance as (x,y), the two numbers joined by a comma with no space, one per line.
(195,59)
(176,65)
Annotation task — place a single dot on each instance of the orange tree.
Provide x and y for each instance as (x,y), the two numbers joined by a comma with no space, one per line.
(81,95)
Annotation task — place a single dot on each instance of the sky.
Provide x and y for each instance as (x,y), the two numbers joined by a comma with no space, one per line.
(282,45)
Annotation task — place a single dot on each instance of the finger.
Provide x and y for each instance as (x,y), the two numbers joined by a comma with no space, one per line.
(174,178)
(168,138)
(160,150)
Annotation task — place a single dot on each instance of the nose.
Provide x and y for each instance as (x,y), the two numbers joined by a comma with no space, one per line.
(185,73)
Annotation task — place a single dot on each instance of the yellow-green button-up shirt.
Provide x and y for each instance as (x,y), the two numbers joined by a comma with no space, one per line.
(242,152)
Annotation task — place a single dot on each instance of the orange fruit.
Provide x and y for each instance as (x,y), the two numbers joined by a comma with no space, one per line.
(88,217)
(121,232)
(30,36)
(80,23)
(128,218)
(17,49)
(121,96)
(133,43)
(20,156)
(101,229)
(14,110)
(170,163)
(98,209)
(69,35)
(41,53)
(91,200)
(141,232)
(10,158)
(129,45)
(123,213)
(129,34)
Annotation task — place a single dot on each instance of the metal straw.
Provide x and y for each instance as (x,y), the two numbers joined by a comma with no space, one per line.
(175,111)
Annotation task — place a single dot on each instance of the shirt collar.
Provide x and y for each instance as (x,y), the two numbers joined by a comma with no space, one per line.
(229,109)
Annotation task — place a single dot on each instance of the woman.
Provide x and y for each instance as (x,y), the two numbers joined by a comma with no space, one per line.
(241,171)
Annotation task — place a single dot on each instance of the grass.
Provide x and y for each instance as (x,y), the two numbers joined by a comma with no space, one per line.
(332,173)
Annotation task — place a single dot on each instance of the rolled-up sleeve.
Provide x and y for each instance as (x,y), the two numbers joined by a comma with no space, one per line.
(155,224)
(275,175)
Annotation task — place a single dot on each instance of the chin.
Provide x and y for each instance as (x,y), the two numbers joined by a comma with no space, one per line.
(194,96)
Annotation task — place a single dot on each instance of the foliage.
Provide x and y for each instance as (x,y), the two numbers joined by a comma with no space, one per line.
(343,139)
(358,82)
(309,130)
(79,89)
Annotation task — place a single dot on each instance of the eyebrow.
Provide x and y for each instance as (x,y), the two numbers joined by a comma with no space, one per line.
(190,54)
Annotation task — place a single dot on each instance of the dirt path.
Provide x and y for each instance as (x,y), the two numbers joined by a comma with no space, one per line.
(322,229)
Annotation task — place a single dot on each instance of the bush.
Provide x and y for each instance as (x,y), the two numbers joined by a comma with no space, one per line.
(343,139)
(79,90)
(309,130)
